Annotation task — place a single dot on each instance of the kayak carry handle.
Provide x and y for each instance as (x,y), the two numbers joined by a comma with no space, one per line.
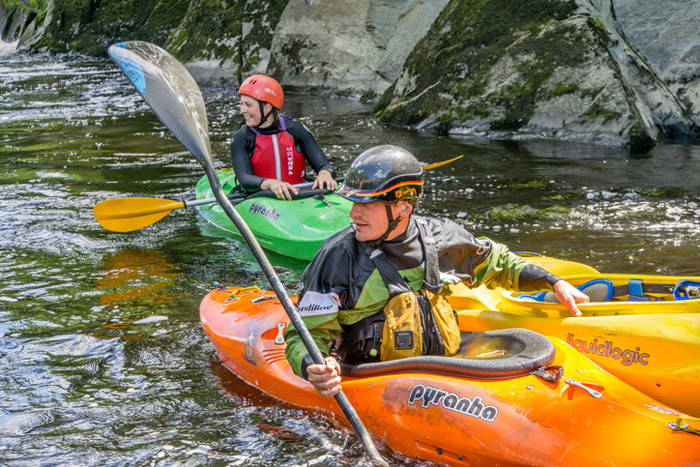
(687,290)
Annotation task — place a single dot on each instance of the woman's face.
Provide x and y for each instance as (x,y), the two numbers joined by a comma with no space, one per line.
(251,110)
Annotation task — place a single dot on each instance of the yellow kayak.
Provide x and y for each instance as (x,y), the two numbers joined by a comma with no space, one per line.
(644,329)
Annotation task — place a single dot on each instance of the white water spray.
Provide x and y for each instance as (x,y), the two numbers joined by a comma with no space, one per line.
(7,48)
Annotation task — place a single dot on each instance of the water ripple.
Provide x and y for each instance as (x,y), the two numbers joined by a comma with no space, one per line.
(102,357)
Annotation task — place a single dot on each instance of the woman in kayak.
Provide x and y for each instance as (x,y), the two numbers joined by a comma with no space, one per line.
(269,151)
(375,291)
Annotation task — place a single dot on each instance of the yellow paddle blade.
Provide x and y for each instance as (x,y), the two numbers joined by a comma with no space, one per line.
(440,164)
(127,214)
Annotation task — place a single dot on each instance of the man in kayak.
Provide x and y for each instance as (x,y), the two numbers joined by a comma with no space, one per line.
(375,291)
(269,151)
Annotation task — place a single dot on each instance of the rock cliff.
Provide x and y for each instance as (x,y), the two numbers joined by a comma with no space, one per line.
(613,72)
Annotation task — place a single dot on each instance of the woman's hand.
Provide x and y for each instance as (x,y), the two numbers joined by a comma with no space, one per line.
(282,190)
(325,181)
(325,378)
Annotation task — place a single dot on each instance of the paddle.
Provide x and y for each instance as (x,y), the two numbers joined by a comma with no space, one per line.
(129,214)
(169,89)
(440,164)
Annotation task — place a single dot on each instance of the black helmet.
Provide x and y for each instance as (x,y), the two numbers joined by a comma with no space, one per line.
(385,173)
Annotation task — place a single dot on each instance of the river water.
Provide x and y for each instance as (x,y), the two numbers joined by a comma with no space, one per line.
(102,357)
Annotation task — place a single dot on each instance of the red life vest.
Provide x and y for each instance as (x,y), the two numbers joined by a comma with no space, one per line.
(276,156)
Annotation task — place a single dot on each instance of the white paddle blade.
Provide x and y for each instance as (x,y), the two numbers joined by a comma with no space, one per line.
(169,89)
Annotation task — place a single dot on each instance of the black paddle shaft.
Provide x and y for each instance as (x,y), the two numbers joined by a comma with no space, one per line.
(169,89)
(287,304)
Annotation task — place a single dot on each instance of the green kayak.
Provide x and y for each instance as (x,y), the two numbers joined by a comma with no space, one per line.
(290,228)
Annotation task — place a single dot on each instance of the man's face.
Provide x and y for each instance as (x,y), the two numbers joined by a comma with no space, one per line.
(370,220)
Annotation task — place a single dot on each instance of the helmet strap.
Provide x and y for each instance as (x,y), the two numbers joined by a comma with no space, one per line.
(393,223)
(263,115)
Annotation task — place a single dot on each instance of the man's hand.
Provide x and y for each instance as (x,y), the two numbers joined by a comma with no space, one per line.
(325,378)
(570,296)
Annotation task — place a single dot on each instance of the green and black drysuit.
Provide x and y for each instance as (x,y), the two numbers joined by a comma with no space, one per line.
(342,286)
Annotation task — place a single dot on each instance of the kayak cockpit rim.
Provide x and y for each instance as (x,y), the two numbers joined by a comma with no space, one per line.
(482,355)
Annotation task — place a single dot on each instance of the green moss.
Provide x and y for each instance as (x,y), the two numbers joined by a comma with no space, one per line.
(599,28)
(560,197)
(651,192)
(597,22)
(476,109)
(254,60)
(598,111)
(513,212)
(45,43)
(189,28)
(384,101)
(292,52)
(368,96)
(177,39)
(561,89)
(475,85)
(406,113)
(457,55)
(639,137)
(40,18)
(557,47)
(518,102)
(204,30)
(103,22)
(530,184)
(26,6)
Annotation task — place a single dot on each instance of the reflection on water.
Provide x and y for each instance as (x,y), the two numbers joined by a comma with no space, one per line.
(140,281)
(135,276)
(102,357)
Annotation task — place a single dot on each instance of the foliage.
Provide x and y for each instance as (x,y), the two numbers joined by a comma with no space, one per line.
(228,30)
(90,26)
(26,5)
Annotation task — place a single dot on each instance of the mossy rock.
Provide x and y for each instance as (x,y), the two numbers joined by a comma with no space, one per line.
(89,27)
(190,29)
(639,138)
(473,35)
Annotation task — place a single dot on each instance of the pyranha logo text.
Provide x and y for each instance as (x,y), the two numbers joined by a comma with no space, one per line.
(428,396)
(271,214)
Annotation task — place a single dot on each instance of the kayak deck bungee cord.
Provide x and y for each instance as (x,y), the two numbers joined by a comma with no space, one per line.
(293,228)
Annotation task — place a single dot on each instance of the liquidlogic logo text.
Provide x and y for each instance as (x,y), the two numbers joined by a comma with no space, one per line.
(607,349)
(271,214)
(427,396)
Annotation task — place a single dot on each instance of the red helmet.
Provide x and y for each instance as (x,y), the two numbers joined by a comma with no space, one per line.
(264,89)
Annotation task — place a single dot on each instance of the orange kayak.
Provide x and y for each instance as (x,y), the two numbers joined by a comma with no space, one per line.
(488,408)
